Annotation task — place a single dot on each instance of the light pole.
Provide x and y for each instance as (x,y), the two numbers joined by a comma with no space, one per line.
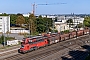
(60,34)
(77,30)
(47,27)
(29,28)
(8,22)
(60,29)
(69,24)
(83,27)
(74,21)
(53,23)
(4,33)
(77,25)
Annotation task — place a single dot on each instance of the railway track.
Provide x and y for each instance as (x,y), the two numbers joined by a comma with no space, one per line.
(9,52)
(10,48)
(76,53)
(47,51)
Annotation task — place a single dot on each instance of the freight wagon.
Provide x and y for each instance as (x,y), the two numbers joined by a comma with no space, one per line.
(33,43)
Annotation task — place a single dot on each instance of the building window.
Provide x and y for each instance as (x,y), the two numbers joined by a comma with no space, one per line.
(0,18)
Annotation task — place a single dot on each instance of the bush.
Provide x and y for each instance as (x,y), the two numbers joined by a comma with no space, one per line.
(66,31)
(1,39)
(55,31)
(6,38)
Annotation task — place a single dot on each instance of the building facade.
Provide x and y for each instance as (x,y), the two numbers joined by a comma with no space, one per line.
(76,20)
(61,26)
(4,24)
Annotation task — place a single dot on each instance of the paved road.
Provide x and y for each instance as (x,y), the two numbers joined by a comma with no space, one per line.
(17,36)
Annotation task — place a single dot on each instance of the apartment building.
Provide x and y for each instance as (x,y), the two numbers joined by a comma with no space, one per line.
(4,24)
(61,26)
(76,20)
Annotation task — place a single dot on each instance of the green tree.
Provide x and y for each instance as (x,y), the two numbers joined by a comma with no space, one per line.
(26,19)
(69,22)
(13,18)
(32,23)
(48,23)
(87,21)
(20,19)
(40,24)
(4,14)
(43,24)
(80,25)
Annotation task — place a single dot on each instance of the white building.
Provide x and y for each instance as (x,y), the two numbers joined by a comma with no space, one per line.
(4,24)
(61,26)
(26,15)
(76,20)
(48,16)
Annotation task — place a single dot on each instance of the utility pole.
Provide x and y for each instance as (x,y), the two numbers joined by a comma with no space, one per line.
(29,29)
(47,27)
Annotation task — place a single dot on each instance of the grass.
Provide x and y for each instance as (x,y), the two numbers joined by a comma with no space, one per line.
(6,47)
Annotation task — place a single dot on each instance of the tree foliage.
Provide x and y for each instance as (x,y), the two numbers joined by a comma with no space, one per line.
(37,25)
(87,21)
(43,24)
(80,25)
(4,14)
(32,23)
(20,19)
(69,21)
(26,20)
(40,24)
(13,18)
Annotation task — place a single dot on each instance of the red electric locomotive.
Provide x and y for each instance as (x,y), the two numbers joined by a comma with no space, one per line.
(32,43)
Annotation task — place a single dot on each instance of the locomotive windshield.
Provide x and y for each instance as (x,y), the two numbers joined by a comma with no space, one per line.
(30,41)
(22,46)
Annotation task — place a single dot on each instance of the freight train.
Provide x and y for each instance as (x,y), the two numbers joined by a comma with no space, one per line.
(35,42)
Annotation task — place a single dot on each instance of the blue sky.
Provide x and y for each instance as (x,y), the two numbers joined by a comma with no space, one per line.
(25,6)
